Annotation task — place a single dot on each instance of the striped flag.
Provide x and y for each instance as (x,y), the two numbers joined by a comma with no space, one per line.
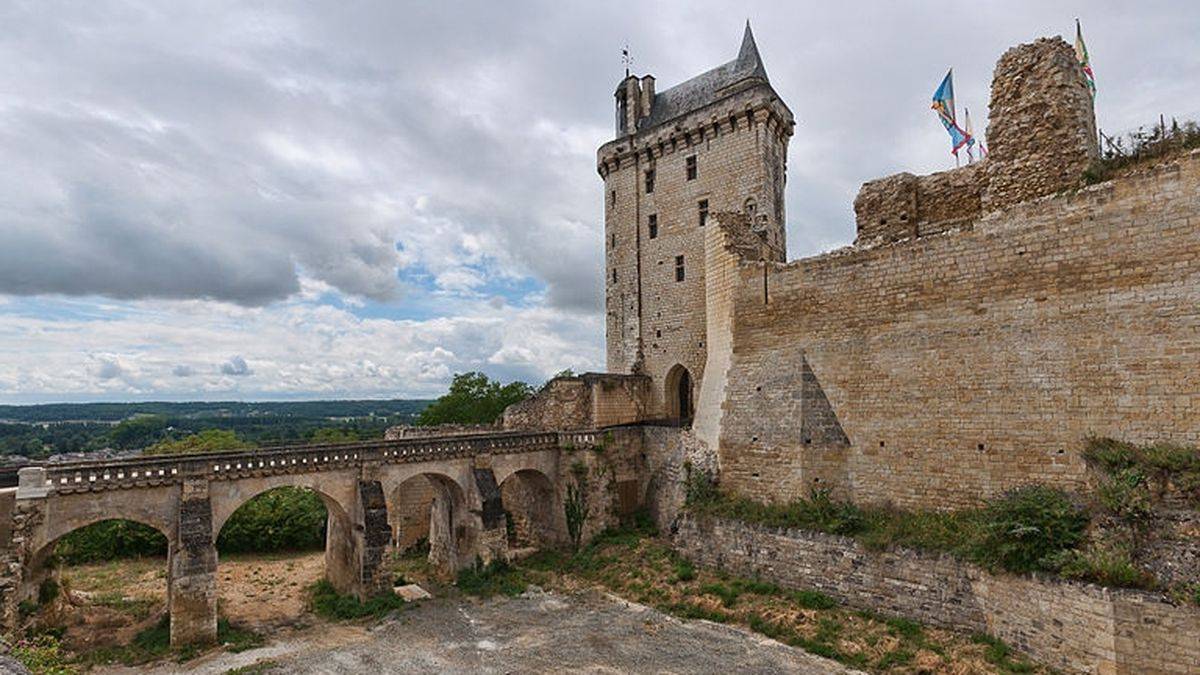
(1081,53)
(943,104)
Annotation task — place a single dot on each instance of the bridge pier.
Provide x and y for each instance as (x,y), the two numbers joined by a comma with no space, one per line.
(192,568)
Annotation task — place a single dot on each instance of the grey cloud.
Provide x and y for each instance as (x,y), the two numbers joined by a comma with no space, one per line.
(109,370)
(237,367)
(180,151)
(183,371)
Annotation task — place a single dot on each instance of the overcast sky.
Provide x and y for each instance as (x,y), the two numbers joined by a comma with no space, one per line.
(357,199)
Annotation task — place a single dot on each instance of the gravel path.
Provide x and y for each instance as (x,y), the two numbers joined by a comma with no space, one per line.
(535,633)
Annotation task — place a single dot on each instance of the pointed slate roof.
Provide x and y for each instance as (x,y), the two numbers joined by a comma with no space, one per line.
(707,87)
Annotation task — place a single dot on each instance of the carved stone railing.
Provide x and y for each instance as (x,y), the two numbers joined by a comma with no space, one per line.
(140,472)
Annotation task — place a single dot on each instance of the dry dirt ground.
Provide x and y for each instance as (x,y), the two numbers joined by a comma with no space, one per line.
(108,603)
(537,632)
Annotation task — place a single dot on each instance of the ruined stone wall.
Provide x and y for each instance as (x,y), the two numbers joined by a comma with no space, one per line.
(1041,135)
(961,364)
(588,401)
(740,146)
(1070,626)
(1041,125)
(449,429)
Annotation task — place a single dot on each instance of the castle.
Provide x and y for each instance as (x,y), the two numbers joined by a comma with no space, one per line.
(985,322)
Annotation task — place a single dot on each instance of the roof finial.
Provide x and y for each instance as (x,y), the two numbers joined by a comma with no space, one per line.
(748,59)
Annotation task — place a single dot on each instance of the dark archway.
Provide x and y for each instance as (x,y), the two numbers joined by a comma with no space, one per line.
(534,512)
(427,515)
(679,395)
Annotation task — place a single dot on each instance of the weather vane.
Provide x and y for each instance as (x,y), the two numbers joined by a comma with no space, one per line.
(626,59)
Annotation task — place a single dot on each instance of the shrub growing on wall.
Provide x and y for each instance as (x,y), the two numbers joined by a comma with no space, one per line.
(1024,529)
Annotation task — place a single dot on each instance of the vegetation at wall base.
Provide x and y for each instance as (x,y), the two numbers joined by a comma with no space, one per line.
(1131,469)
(327,603)
(1029,529)
(632,563)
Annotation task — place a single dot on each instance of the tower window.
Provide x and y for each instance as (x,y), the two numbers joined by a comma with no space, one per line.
(702,208)
(612,198)
(653,225)
(691,168)
(614,275)
(614,241)
(650,181)
(678,268)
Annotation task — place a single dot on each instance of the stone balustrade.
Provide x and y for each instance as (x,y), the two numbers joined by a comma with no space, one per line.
(96,475)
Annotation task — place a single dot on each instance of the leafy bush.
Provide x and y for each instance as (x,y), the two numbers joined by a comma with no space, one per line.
(283,519)
(494,578)
(44,655)
(575,505)
(684,571)
(1104,566)
(1024,527)
(328,603)
(1164,463)
(1142,145)
(109,540)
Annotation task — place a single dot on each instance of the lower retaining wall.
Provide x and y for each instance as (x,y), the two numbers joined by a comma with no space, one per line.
(1065,625)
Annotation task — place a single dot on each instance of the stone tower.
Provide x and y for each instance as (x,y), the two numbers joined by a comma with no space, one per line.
(715,143)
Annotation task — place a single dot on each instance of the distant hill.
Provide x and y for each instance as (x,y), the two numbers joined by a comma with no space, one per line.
(40,431)
(115,412)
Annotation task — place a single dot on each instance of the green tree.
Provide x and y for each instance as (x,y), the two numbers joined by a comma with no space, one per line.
(209,440)
(138,431)
(473,399)
(334,435)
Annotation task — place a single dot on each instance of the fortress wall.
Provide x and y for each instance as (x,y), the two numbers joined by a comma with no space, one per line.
(961,364)
(904,206)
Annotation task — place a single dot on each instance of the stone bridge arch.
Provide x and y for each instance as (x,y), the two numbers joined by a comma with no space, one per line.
(534,508)
(337,493)
(453,521)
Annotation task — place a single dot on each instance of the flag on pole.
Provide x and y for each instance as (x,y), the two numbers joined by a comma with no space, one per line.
(943,104)
(1081,53)
(970,135)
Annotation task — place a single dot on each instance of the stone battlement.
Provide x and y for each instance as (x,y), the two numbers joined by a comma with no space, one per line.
(1041,136)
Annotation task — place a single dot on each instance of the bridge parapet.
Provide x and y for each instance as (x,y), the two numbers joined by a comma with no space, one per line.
(90,476)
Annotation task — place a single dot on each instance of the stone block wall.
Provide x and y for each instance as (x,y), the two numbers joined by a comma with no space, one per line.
(965,363)
(654,320)
(588,401)
(1069,626)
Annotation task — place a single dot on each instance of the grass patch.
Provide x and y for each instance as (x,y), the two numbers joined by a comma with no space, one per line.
(326,602)
(1123,463)
(494,578)
(999,654)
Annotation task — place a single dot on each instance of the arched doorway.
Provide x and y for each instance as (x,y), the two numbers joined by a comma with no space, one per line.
(533,509)
(679,395)
(426,513)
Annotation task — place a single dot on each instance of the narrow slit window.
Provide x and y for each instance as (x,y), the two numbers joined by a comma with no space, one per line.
(650,181)
(652,225)
(614,275)
(702,208)
(691,168)
(679,268)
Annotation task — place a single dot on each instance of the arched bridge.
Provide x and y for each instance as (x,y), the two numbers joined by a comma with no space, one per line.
(364,486)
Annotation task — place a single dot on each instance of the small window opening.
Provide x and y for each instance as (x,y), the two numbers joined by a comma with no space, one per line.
(614,275)
(653,225)
(650,181)
(614,241)
(678,268)
(658,333)
(612,198)
(691,168)
(702,208)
